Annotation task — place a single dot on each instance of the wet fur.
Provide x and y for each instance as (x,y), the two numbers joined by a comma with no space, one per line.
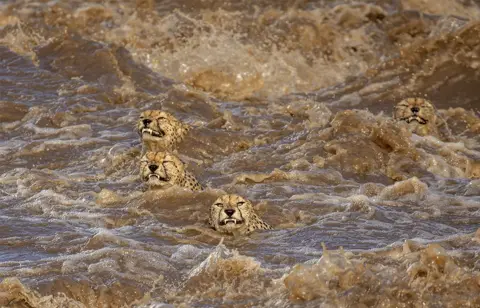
(163,132)
(423,122)
(244,212)
(171,171)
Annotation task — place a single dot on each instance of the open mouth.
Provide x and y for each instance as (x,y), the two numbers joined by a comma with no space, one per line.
(227,221)
(416,118)
(158,177)
(153,133)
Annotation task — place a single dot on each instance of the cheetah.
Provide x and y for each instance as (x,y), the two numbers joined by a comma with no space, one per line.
(233,214)
(419,114)
(473,169)
(164,169)
(160,131)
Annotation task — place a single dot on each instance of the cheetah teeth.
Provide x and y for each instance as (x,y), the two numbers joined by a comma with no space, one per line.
(152,132)
(420,120)
(164,179)
(229,220)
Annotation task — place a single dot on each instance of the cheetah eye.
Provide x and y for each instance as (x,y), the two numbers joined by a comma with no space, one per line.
(218,204)
(240,203)
(161,118)
(142,117)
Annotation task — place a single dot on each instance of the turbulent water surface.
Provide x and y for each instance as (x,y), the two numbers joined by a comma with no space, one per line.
(290,105)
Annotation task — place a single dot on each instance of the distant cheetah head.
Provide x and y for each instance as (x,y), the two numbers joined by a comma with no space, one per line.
(160,130)
(418,113)
(234,214)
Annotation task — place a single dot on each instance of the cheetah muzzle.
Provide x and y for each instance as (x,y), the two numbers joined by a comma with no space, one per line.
(158,134)
(414,117)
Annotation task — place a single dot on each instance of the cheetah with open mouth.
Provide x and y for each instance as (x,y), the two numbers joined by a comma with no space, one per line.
(233,214)
(419,114)
(164,169)
(160,130)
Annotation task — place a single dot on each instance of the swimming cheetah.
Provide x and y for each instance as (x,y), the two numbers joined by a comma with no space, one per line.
(234,214)
(419,114)
(160,130)
(164,169)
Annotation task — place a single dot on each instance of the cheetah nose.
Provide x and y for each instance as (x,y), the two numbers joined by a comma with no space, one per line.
(146,122)
(415,109)
(153,167)
(229,212)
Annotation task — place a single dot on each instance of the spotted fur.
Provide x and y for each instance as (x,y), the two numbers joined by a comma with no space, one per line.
(160,130)
(419,114)
(164,169)
(234,214)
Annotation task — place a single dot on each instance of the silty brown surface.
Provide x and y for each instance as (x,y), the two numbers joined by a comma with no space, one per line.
(289,105)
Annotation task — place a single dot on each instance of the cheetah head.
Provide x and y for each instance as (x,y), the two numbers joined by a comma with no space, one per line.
(160,128)
(415,110)
(161,169)
(234,214)
(473,169)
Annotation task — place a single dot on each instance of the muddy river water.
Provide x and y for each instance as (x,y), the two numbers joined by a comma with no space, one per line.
(290,104)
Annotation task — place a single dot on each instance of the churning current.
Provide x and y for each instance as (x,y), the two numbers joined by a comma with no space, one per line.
(290,105)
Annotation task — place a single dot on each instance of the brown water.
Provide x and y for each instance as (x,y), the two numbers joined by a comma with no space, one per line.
(290,104)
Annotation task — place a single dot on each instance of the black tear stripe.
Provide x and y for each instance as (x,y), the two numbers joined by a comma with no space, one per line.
(241,216)
(218,218)
(165,171)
